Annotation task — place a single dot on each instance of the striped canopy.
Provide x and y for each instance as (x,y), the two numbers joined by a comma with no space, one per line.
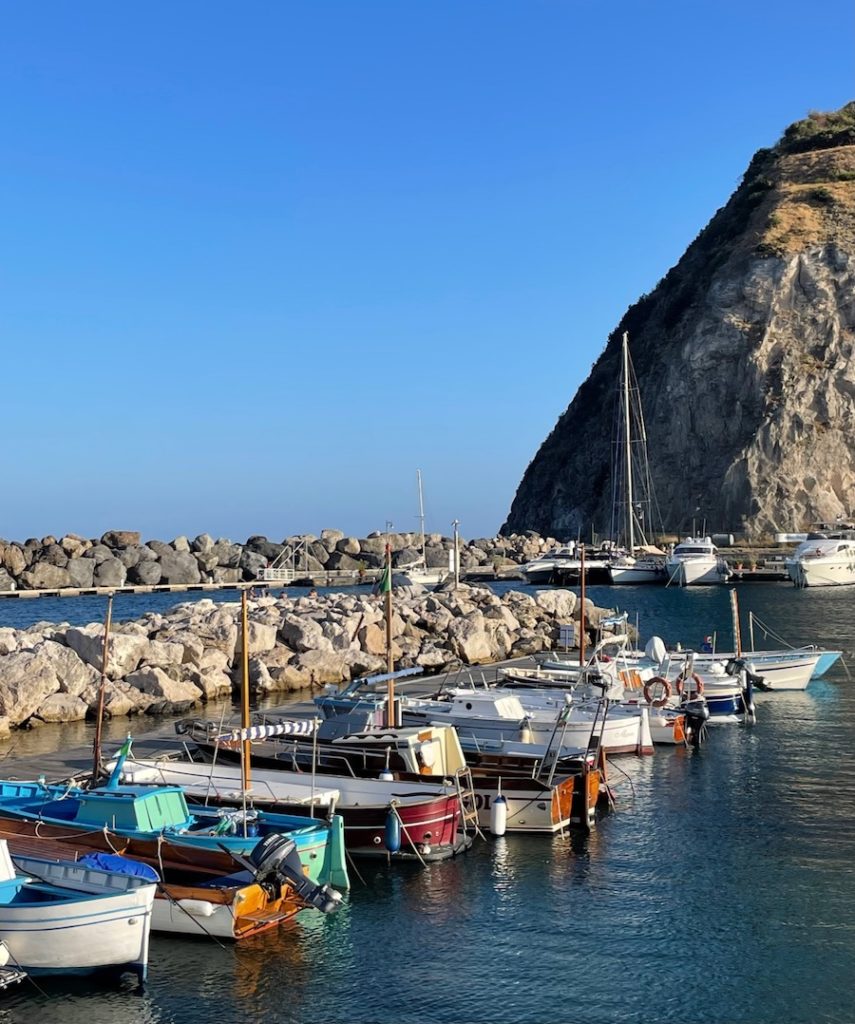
(295,727)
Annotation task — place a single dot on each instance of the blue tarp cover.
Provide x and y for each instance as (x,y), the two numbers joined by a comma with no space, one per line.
(119,865)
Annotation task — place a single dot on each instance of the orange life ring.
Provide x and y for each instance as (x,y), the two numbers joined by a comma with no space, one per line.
(697,689)
(648,691)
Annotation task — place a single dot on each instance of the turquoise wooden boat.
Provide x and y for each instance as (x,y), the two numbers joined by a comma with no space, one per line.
(160,824)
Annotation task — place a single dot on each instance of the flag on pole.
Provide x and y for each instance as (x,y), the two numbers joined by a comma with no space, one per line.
(384,584)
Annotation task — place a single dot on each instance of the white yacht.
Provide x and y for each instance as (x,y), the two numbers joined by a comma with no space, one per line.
(695,560)
(823,560)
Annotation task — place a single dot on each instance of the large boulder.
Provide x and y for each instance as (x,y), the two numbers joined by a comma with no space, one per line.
(81,572)
(120,538)
(145,573)
(6,581)
(44,576)
(110,573)
(124,654)
(14,560)
(251,563)
(228,554)
(27,679)
(62,707)
(155,682)
(179,567)
(560,604)
(301,633)
(470,639)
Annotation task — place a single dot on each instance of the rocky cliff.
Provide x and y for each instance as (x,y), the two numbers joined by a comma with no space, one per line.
(744,359)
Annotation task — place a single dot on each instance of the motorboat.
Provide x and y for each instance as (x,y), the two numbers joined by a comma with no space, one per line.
(694,561)
(233,901)
(564,564)
(824,559)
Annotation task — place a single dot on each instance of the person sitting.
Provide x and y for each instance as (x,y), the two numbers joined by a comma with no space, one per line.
(706,646)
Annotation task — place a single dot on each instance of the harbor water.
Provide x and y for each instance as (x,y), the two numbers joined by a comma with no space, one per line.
(722,890)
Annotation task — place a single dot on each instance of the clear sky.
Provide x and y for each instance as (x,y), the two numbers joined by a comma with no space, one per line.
(262,261)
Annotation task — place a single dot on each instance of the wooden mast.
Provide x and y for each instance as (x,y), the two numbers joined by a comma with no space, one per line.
(245,770)
(99,719)
(391,717)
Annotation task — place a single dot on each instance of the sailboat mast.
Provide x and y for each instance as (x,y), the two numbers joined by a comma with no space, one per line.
(245,770)
(629,523)
(421,516)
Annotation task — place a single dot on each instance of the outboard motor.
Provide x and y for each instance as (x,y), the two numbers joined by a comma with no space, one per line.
(748,680)
(697,714)
(276,862)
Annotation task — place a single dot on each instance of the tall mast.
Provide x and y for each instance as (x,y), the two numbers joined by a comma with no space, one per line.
(626,422)
(421,516)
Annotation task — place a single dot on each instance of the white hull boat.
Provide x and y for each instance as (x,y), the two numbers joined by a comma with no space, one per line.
(60,917)
(823,562)
(636,571)
(694,561)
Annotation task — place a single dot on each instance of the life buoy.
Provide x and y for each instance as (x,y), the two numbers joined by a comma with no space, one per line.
(648,691)
(698,687)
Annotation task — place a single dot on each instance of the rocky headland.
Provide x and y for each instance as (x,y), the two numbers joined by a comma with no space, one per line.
(164,663)
(745,359)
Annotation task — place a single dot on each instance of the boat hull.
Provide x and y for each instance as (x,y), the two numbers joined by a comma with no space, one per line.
(822,572)
(104,933)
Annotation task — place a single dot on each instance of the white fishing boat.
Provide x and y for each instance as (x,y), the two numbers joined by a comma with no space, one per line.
(61,917)
(695,561)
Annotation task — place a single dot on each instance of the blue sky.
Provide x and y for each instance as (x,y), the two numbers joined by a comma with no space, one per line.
(262,261)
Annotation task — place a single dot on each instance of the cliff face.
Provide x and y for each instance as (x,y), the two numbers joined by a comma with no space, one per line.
(744,360)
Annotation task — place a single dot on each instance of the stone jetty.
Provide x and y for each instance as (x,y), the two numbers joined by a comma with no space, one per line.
(120,558)
(166,663)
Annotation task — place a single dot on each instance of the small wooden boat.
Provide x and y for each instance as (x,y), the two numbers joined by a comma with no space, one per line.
(191,900)
(59,917)
(155,824)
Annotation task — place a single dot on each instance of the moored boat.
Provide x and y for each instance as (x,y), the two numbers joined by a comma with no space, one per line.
(68,918)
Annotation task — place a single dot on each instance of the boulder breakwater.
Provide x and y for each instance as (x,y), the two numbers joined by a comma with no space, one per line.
(166,663)
(120,558)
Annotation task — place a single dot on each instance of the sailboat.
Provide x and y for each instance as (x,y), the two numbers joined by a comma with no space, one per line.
(632,490)
(418,571)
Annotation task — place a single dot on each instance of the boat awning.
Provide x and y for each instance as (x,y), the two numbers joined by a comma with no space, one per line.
(295,727)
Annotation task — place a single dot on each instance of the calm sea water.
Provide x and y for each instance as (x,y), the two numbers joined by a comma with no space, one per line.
(722,891)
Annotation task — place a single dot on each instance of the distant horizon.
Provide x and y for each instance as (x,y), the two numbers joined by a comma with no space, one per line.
(262,266)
